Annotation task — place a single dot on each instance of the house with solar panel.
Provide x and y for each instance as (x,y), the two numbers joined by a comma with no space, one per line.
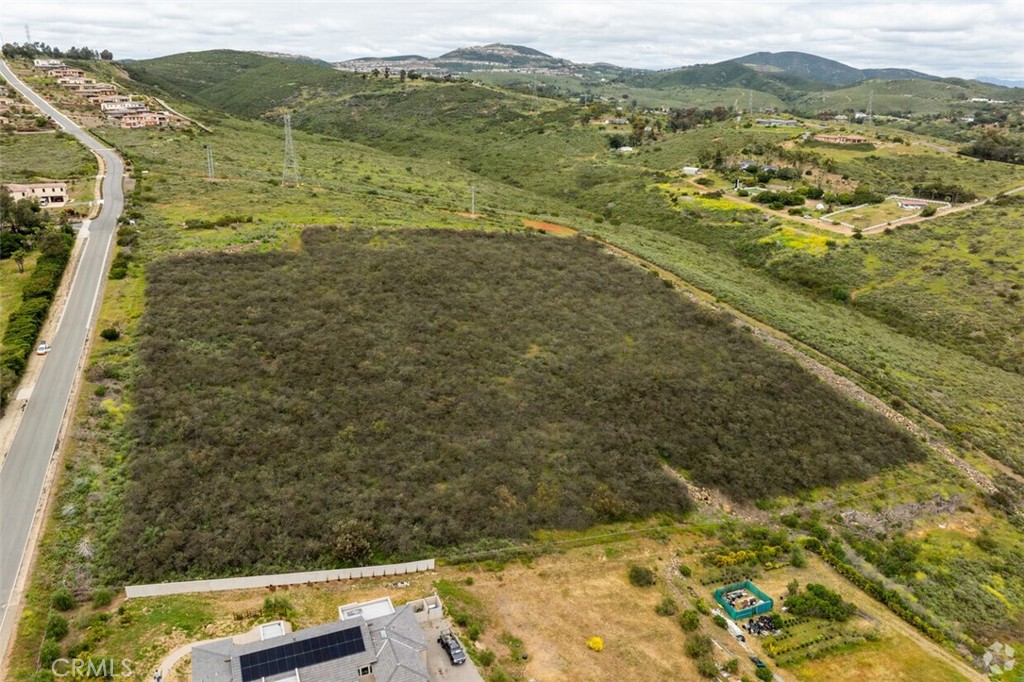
(371,642)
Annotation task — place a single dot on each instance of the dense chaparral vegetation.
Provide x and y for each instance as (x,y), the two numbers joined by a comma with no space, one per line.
(423,390)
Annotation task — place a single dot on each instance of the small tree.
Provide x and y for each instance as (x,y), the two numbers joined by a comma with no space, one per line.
(689,621)
(19,258)
(698,645)
(667,607)
(764,674)
(720,621)
(106,55)
(641,576)
(706,667)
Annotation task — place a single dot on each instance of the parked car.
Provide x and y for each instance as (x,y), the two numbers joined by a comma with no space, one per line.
(757,662)
(450,643)
(43,348)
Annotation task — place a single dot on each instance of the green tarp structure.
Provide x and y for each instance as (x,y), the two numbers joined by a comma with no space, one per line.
(764,604)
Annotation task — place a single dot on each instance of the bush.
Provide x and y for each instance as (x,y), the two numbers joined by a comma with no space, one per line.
(698,645)
(110,334)
(667,607)
(685,571)
(689,621)
(62,599)
(720,621)
(764,674)
(702,607)
(49,652)
(277,607)
(820,602)
(102,598)
(641,576)
(595,643)
(929,211)
(732,666)
(56,627)
(706,667)
(119,266)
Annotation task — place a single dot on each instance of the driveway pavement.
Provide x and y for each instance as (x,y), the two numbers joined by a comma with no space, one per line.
(438,663)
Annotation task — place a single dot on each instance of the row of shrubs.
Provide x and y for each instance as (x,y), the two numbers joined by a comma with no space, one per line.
(27,319)
(891,598)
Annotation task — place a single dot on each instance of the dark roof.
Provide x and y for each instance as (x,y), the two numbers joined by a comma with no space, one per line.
(333,652)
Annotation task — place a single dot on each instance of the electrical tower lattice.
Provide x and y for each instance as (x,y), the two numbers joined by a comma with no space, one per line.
(291,166)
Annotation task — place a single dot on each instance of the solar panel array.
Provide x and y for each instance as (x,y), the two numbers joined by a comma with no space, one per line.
(287,657)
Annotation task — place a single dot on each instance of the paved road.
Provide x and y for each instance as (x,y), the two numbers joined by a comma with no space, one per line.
(24,470)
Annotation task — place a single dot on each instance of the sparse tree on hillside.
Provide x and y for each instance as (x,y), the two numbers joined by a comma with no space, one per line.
(106,55)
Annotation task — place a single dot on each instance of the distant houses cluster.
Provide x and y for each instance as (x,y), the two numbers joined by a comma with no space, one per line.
(120,110)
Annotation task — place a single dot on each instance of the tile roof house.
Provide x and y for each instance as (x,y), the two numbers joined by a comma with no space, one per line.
(375,647)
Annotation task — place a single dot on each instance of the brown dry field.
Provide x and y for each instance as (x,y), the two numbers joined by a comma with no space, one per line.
(556,603)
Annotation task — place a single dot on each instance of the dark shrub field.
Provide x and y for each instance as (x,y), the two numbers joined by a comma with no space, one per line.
(389,394)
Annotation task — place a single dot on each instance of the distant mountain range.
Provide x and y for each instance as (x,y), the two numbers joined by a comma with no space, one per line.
(791,66)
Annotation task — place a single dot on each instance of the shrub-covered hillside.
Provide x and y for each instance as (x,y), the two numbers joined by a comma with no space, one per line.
(394,393)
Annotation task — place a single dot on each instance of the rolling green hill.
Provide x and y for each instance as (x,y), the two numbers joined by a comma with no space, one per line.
(819,69)
(245,83)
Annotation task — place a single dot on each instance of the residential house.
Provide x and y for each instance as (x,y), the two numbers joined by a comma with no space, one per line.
(912,204)
(373,641)
(691,170)
(66,72)
(145,119)
(120,108)
(48,193)
(777,122)
(841,139)
(47,63)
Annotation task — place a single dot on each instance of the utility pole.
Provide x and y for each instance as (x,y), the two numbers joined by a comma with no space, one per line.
(291,166)
(209,162)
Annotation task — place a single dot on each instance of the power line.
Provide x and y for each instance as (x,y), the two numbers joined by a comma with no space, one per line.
(291,165)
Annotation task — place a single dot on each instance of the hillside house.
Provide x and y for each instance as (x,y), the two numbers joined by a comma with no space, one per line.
(119,108)
(47,63)
(777,122)
(912,204)
(841,139)
(145,119)
(97,90)
(75,83)
(48,193)
(691,170)
(65,72)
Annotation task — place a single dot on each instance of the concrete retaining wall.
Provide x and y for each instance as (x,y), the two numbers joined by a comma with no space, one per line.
(257,581)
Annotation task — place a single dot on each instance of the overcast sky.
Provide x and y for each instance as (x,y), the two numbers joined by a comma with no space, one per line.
(965,38)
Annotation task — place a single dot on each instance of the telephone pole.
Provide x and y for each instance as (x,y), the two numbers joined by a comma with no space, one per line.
(291,166)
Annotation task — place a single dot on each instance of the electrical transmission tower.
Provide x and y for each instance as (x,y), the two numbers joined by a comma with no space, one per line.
(209,162)
(291,166)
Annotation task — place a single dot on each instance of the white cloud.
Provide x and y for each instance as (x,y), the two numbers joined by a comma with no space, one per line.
(944,37)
